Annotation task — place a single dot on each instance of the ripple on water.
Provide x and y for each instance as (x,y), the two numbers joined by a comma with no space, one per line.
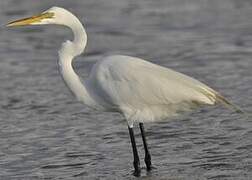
(46,134)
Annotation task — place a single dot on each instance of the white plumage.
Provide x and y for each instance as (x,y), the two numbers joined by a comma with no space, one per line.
(144,91)
(140,90)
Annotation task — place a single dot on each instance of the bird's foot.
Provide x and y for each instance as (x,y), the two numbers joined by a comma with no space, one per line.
(137,171)
(147,160)
(150,167)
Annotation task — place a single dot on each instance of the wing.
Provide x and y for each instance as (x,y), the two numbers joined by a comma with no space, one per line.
(133,84)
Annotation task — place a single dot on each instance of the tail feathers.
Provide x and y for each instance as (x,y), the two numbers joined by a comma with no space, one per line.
(237,109)
(228,104)
(216,98)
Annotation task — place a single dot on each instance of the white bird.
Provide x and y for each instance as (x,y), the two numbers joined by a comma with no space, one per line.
(140,90)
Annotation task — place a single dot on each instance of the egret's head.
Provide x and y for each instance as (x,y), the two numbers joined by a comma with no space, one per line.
(54,15)
(60,16)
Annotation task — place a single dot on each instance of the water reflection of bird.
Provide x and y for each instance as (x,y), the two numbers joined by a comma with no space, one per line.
(140,90)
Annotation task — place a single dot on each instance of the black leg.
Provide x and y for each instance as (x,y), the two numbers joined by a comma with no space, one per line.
(136,161)
(147,158)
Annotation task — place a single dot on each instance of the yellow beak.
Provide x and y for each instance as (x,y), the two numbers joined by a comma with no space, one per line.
(31,20)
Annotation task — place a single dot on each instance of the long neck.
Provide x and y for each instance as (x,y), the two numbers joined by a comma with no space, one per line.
(67,53)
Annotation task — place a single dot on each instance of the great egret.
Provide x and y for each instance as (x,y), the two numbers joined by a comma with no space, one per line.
(141,91)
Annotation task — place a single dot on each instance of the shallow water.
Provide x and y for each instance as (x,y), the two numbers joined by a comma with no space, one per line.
(46,134)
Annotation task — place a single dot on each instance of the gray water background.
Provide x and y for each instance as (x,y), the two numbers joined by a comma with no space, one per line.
(46,134)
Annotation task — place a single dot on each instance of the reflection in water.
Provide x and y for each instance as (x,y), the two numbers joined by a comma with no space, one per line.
(45,133)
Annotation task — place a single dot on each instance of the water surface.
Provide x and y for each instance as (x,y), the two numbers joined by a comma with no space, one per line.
(46,134)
